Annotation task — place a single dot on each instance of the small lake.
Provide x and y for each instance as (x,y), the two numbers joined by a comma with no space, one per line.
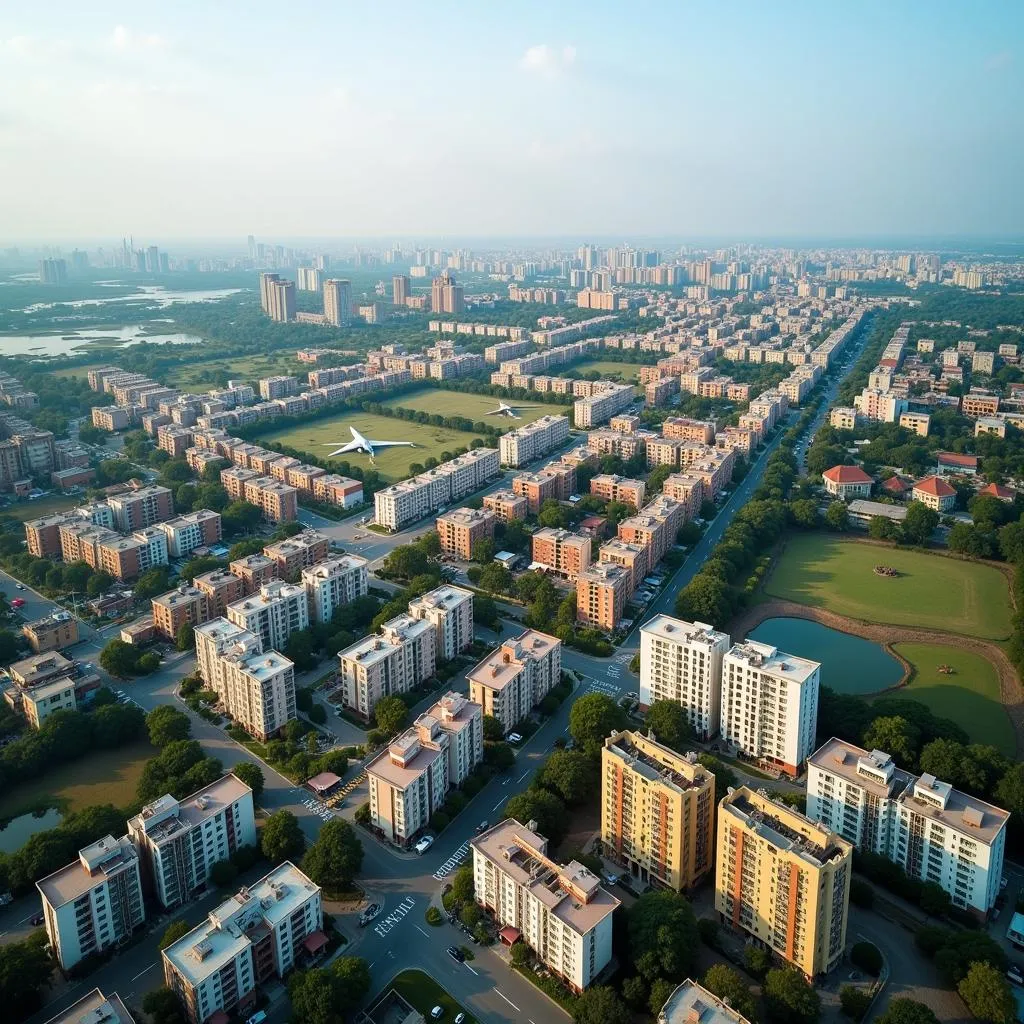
(849,664)
(19,830)
(149,296)
(45,346)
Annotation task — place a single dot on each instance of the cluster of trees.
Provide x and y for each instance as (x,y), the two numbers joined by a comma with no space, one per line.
(295,751)
(25,971)
(51,578)
(122,659)
(328,995)
(307,647)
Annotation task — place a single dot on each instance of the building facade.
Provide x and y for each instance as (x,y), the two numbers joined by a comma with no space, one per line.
(515,677)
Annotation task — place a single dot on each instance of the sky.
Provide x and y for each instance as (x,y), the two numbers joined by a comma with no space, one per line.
(404,120)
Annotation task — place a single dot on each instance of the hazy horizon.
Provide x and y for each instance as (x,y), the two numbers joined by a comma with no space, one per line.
(434,124)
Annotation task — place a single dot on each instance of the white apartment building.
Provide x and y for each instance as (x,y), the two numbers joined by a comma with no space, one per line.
(533,440)
(93,903)
(180,840)
(450,611)
(561,912)
(769,704)
(599,408)
(934,832)
(682,662)
(401,657)
(691,1003)
(880,406)
(257,688)
(333,583)
(515,678)
(273,614)
(194,530)
(95,1008)
(411,779)
(257,934)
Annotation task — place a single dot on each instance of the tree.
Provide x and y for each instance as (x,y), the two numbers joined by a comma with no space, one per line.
(185,638)
(546,809)
(668,721)
(470,914)
(223,873)
(1011,542)
(118,658)
(240,517)
(882,528)
(867,957)
(351,981)
(391,714)
(896,736)
(162,1006)
(520,954)
(175,930)
(99,583)
(336,856)
(987,995)
(592,719)
(600,1004)
(483,551)
(663,937)
(705,599)
(25,970)
(920,523)
(499,756)
(902,1010)
(804,513)
(492,729)
(568,773)
(166,724)
(281,838)
(789,997)
(312,995)
(463,889)
(728,984)
(151,583)
(252,775)
(495,578)
(836,516)
(854,1002)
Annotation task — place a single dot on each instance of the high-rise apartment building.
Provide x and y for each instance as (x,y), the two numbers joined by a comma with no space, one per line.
(135,510)
(598,408)
(657,811)
(691,1003)
(332,583)
(934,832)
(450,611)
(446,296)
(561,551)
(53,271)
(783,879)
(459,529)
(190,531)
(401,289)
(302,551)
(183,605)
(277,298)
(682,662)
(411,779)
(338,301)
(513,679)
(561,912)
(180,840)
(273,614)
(258,933)
(507,505)
(602,592)
(95,902)
(95,1007)
(533,440)
(769,704)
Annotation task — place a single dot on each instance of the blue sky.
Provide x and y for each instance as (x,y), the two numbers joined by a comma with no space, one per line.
(416,120)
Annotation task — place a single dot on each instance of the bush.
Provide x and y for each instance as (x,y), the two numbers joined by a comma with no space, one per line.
(362,815)
(433,916)
(854,1002)
(867,957)
(757,961)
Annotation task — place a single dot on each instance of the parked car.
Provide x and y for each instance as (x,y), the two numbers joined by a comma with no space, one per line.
(514,737)
(20,586)
(482,827)
(369,914)
(610,879)
(437,1012)
(5,898)
(257,1018)
(36,921)
(424,844)
(1014,974)
(456,954)
(460,1018)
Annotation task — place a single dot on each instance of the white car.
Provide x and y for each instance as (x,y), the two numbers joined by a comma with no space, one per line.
(424,844)
(514,737)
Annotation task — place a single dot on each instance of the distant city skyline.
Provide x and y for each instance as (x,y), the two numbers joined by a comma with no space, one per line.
(440,123)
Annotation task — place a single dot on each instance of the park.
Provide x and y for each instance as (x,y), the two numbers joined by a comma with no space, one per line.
(441,402)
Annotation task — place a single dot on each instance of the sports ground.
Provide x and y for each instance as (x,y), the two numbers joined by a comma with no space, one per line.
(931,591)
(317,438)
(438,401)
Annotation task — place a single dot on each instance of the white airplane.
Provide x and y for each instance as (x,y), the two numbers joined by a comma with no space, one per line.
(359,443)
(508,410)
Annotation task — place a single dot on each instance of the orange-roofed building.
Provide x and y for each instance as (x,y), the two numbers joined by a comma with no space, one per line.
(998,491)
(847,482)
(934,492)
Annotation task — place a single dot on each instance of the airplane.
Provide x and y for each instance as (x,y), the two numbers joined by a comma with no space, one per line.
(359,443)
(508,410)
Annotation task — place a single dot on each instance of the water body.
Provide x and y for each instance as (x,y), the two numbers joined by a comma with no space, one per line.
(45,346)
(18,831)
(849,664)
(150,296)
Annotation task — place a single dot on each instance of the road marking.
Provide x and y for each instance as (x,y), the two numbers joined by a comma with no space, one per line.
(372,962)
(395,916)
(421,931)
(142,972)
(507,1000)
(470,969)
(497,805)
(523,776)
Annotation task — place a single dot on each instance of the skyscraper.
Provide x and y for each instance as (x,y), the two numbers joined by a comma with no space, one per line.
(53,271)
(277,297)
(338,301)
(401,288)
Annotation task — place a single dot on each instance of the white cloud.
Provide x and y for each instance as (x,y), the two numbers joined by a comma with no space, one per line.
(125,40)
(548,60)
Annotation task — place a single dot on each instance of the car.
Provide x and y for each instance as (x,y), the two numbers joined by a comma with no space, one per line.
(369,914)
(257,1018)
(456,954)
(514,737)
(1014,974)
(17,602)
(424,844)
(20,586)
(36,920)
(610,879)
(460,1018)
(5,898)
(482,827)
(437,1012)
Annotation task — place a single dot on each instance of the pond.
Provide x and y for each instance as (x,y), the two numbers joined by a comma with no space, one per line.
(18,831)
(48,345)
(849,664)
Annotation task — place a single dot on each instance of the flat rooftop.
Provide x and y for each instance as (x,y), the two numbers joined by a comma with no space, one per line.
(678,631)
(691,1003)
(766,658)
(872,770)
(656,762)
(401,776)
(108,855)
(181,815)
(95,1008)
(369,650)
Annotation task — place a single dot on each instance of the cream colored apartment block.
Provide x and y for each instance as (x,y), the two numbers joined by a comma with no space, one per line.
(783,879)
(682,662)
(334,583)
(515,677)
(450,611)
(657,811)
(273,614)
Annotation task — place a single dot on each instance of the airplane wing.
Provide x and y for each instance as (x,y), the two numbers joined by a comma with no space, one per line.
(350,447)
(494,412)
(391,444)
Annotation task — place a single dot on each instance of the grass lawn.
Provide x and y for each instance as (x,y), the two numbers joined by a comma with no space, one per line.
(970,696)
(78,371)
(208,374)
(475,407)
(106,777)
(23,510)
(611,368)
(392,464)
(423,994)
(932,591)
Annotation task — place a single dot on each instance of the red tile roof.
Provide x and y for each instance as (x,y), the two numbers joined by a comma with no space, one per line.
(935,486)
(896,485)
(999,491)
(847,475)
(954,459)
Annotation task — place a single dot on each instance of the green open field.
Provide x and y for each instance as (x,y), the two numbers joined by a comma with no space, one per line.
(392,464)
(931,591)
(610,368)
(970,696)
(48,506)
(201,376)
(106,777)
(475,407)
